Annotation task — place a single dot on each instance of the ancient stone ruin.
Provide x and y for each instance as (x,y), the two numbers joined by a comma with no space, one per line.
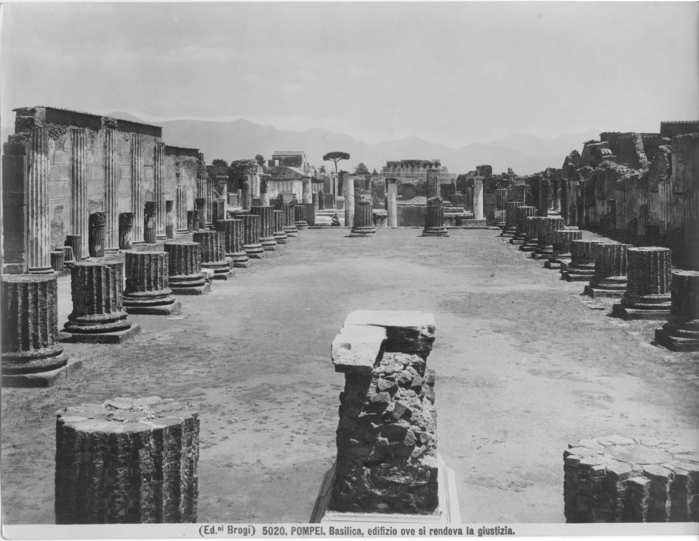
(213,254)
(127,460)
(363,216)
(184,268)
(647,294)
(681,332)
(147,284)
(619,479)
(609,279)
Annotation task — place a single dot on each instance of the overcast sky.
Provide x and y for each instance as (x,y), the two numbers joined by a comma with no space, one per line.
(453,73)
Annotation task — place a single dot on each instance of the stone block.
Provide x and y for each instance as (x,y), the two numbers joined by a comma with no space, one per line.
(406,331)
(357,348)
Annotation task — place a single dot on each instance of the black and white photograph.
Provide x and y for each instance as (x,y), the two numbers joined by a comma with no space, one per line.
(349,269)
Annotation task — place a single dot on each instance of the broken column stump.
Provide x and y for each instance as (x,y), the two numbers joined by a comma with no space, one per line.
(251,236)
(127,461)
(434,219)
(510,217)
(58,260)
(213,254)
(278,229)
(147,290)
(98,315)
(75,242)
(582,261)
(521,215)
(289,219)
(300,217)
(619,479)
(266,227)
(31,353)
(562,241)
(184,269)
(609,279)
(363,216)
(548,226)
(387,462)
(531,234)
(681,332)
(96,245)
(232,231)
(647,294)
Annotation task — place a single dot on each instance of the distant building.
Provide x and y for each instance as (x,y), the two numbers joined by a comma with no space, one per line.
(289,158)
(415,169)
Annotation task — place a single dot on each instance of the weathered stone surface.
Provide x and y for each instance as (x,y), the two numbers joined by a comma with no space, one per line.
(434,219)
(127,461)
(267,239)
(213,255)
(184,268)
(278,230)
(647,294)
(511,217)
(363,216)
(251,235)
(409,332)
(617,479)
(147,284)
(233,241)
(357,348)
(609,279)
(681,332)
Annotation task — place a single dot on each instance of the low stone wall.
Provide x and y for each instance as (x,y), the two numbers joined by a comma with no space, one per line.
(412,215)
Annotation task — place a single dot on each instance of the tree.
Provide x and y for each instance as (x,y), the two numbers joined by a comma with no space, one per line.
(374,173)
(336,157)
(361,169)
(260,159)
(222,163)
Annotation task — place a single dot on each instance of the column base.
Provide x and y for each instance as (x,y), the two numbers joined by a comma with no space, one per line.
(609,288)
(518,239)
(222,270)
(160,236)
(190,284)
(34,361)
(362,232)
(509,232)
(280,237)
(42,379)
(114,337)
(435,232)
(291,231)
(544,252)
(676,338)
(301,225)
(623,312)
(41,270)
(529,245)
(157,303)
(239,259)
(171,309)
(556,262)
(254,251)
(648,307)
(268,244)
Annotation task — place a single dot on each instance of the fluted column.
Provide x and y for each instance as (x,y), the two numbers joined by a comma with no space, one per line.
(681,332)
(128,460)
(184,268)
(510,218)
(477,198)
(251,236)
(233,241)
(38,225)
(610,278)
(562,240)
(111,192)
(307,194)
(647,294)
(434,219)
(363,216)
(289,217)
(521,215)
(433,184)
(278,230)
(532,234)
(125,230)
(547,231)
(213,254)
(137,202)
(348,189)
(147,290)
(98,314)
(500,200)
(543,197)
(200,203)
(79,213)
(392,199)
(300,217)
(182,226)
(30,326)
(582,261)
(159,190)
(266,227)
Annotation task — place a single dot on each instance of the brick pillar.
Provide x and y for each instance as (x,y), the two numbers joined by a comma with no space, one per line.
(251,236)
(278,230)
(619,479)
(213,254)
(266,227)
(38,225)
(321,200)
(521,215)
(233,241)
(387,458)
(582,261)
(392,200)
(29,325)
(159,190)
(363,216)
(610,278)
(547,234)
(147,284)
(681,332)
(128,460)
(510,217)
(648,291)
(98,222)
(544,197)
(184,268)
(434,219)
(137,202)
(562,240)
(79,213)
(98,313)
(125,230)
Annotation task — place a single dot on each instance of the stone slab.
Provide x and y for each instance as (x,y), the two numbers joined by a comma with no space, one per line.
(604,293)
(407,332)
(553,265)
(164,310)
(116,337)
(574,277)
(42,379)
(623,312)
(208,273)
(675,343)
(357,348)
(198,290)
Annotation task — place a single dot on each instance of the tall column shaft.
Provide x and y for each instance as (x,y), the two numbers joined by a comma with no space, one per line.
(348,188)
(181,210)
(500,200)
(477,198)
(38,225)
(137,202)
(79,212)
(159,189)
(111,192)
(681,332)
(433,184)
(307,191)
(392,198)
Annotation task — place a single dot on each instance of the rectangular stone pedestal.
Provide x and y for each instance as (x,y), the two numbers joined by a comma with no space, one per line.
(116,337)
(165,310)
(675,343)
(604,293)
(576,277)
(623,312)
(541,255)
(447,511)
(42,379)
(199,290)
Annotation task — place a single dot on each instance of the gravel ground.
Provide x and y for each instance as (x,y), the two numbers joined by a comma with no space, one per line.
(523,367)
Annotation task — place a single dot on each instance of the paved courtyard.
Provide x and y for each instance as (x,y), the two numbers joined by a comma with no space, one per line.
(523,367)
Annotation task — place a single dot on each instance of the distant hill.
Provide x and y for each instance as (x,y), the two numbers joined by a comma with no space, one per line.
(239,139)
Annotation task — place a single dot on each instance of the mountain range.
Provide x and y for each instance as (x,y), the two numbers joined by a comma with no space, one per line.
(240,139)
